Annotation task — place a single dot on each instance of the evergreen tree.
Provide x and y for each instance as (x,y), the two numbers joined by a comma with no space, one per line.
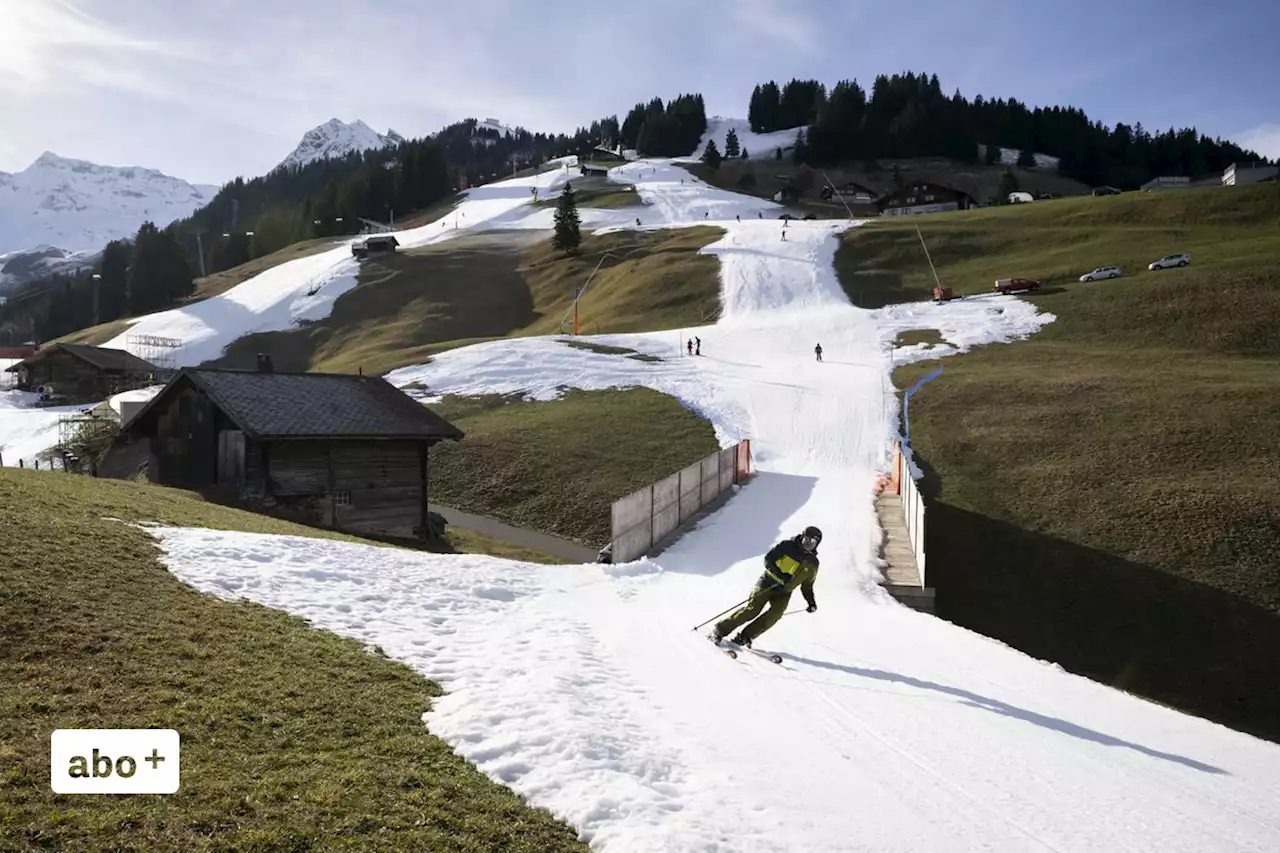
(711,156)
(1026,159)
(145,282)
(567,236)
(991,156)
(800,153)
(112,284)
(731,147)
(744,153)
(1008,184)
(897,176)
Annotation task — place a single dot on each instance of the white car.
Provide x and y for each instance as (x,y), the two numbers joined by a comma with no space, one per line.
(1101,273)
(1179,260)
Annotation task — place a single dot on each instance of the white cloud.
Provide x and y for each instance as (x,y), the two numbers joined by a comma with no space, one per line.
(52,46)
(1265,139)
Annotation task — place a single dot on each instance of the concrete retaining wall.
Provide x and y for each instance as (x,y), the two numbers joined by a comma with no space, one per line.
(651,514)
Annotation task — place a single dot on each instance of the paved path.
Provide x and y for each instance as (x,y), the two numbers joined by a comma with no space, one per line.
(482,524)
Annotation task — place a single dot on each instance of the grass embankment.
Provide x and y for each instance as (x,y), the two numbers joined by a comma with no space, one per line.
(292,738)
(599,193)
(1106,494)
(416,303)
(558,466)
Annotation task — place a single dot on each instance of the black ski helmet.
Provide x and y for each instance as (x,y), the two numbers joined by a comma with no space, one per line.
(814,533)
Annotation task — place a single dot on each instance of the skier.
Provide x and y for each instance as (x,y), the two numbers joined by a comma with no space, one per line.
(690,346)
(697,346)
(818,351)
(792,562)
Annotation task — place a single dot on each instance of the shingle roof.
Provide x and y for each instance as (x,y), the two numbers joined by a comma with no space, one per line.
(314,405)
(100,357)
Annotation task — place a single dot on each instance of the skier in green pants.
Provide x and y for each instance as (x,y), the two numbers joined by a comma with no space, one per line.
(792,562)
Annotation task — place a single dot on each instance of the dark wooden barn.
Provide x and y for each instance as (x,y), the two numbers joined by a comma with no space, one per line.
(332,450)
(81,372)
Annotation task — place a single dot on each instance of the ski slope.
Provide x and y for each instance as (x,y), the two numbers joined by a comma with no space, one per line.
(305,288)
(759,146)
(584,689)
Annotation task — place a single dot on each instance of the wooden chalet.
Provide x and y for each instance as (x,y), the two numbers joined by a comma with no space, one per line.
(851,192)
(923,197)
(332,450)
(81,372)
(374,244)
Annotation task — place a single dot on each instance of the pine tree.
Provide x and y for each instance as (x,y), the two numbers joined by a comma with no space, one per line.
(145,283)
(800,153)
(712,155)
(991,156)
(731,147)
(1026,159)
(897,176)
(567,236)
(744,153)
(1008,184)
(112,284)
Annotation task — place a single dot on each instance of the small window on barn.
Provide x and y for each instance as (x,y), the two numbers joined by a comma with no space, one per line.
(342,498)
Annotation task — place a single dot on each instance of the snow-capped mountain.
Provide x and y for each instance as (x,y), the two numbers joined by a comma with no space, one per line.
(17,268)
(336,138)
(80,206)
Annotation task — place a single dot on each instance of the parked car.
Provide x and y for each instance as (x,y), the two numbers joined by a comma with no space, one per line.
(1017,285)
(786,216)
(1101,273)
(810,216)
(1181,259)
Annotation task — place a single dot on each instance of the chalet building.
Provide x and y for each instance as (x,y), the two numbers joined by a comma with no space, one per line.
(375,244)
(850,192)
(593,171)
(923,197)
(81,372)
(331,450)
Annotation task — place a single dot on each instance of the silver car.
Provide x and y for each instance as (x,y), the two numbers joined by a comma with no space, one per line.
(1181,259)
(1101,273)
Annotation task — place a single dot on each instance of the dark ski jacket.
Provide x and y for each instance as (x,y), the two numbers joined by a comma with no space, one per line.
(787,565)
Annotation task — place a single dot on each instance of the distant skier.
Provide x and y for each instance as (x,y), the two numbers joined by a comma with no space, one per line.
(789,564)
(690,346)
(697,346)
(818,351)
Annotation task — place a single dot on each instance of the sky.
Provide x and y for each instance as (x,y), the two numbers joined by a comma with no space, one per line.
(213,89)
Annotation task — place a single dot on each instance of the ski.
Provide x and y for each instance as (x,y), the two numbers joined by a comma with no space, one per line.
(769,656)
(731,648)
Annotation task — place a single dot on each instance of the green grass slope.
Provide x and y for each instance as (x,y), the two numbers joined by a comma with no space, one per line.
(1106,494)
(292,738)
(418,302)
(558,466)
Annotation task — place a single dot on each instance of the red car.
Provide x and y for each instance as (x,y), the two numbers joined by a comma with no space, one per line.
(1017,285)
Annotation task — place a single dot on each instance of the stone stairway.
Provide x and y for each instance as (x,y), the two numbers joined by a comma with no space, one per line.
(902,579)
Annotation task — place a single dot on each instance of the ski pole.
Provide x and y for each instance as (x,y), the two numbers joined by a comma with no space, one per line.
(723,612)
